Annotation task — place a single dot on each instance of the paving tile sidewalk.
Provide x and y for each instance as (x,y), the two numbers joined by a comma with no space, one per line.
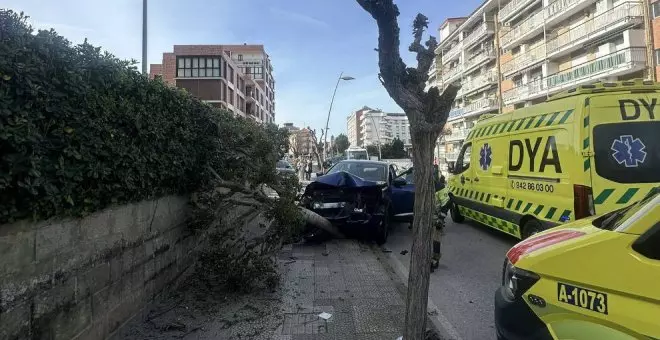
(343,278)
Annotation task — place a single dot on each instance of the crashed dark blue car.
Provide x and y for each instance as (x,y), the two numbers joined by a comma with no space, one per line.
(360,198)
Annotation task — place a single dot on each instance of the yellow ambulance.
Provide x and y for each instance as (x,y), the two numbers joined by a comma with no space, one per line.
(589,150)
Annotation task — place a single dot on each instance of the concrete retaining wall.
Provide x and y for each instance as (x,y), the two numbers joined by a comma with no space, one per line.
(85,278)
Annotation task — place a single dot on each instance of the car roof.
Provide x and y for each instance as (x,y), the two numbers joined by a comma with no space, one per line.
(363,161)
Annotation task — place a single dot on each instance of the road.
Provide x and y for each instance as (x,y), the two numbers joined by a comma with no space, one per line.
(470,272)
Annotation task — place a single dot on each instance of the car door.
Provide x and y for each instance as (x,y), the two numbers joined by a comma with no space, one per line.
(403,197)
(461,180)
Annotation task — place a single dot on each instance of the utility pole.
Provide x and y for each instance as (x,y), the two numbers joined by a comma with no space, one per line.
(650,63)
(144,36)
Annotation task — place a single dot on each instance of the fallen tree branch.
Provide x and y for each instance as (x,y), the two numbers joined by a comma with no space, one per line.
(320,222)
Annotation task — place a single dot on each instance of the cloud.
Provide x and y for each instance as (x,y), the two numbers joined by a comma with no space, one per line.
(298,17)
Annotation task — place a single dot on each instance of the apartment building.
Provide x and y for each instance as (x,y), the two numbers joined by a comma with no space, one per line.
(353,128)
(378,127)
(654,13)
(238,78)
(301,142)
(511,54)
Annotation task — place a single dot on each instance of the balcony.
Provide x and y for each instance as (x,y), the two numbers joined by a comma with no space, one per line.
(486,28)
(481,105)
(478,58)
(433,69)
(533,89)
(529,27)
(479,82)
(451,156)
(452,53)
(620,17)
(560,9)
(457,135)
(449,74)
(512,8)
(456,113)
(613,64)
(524,60)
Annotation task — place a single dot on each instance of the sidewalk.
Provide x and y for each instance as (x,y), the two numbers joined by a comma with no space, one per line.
(343,278)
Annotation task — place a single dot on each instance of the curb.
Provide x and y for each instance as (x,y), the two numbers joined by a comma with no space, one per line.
(399,274)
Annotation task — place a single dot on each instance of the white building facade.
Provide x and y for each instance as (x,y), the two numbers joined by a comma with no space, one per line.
(544,47)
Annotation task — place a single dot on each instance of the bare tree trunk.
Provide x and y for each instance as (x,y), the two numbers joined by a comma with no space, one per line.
(420,257)
(427,113)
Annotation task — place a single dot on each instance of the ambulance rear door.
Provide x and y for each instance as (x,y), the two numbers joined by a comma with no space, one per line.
(622,143)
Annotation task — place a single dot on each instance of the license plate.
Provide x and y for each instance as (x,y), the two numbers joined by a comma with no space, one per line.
(582,297)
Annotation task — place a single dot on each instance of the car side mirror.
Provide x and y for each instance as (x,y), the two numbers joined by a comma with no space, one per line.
(648,244)
(399,182)
(319,174)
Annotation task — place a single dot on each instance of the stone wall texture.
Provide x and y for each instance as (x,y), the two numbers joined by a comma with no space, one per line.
(85,278)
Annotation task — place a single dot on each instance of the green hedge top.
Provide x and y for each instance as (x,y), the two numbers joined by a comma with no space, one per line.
(81,130)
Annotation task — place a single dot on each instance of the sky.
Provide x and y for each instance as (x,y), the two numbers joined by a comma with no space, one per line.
(310,42)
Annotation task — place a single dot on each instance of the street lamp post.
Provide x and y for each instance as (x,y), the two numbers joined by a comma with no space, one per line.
(325,135)
(380,154)
(144,37)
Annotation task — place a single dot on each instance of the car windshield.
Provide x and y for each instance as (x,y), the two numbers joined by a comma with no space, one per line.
(368,171)
(614,219)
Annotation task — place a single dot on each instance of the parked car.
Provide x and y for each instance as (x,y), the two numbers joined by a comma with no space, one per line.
(360,197)
(595,278)
(284,167)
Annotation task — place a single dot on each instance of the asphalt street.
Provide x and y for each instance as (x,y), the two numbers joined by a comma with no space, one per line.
(470,271)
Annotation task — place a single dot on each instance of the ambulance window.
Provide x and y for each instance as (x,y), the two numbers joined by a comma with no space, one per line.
(463,161)
(628,152)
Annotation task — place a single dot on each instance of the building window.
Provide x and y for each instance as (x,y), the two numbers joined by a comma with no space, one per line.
(231,97)
(194,67)
(655,9)
(240,57)
(657,56)
(231,74)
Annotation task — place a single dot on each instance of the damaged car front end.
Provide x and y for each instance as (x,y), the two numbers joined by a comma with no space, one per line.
(358,207)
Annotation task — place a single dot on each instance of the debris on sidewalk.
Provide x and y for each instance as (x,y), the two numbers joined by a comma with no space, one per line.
(385,250)
(349,294)
(404,252)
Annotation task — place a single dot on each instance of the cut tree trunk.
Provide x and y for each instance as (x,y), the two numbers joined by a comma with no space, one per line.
(420,259)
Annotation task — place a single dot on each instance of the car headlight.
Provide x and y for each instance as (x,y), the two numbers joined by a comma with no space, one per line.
(332,205)
(516,281)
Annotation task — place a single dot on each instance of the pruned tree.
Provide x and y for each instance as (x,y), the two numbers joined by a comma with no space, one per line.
(317,145)
(427,113)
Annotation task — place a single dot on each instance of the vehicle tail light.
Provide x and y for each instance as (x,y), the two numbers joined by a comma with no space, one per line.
(540,242)
(583,202)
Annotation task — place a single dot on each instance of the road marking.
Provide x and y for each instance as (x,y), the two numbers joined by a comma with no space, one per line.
(440,321)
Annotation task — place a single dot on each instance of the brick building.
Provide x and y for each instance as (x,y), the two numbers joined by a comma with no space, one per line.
(238,78)
(655,34)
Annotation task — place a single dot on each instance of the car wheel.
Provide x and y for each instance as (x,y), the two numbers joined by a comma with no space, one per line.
(456,214)
(531,227)
(383,230)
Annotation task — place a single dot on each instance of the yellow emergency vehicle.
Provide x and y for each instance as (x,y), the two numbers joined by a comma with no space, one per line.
(585,151)
(596,278)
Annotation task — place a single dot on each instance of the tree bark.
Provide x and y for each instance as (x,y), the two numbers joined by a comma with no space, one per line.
(427,113)
(420,257)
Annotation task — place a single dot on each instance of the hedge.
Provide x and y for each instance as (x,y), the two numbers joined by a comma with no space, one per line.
(81,130)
